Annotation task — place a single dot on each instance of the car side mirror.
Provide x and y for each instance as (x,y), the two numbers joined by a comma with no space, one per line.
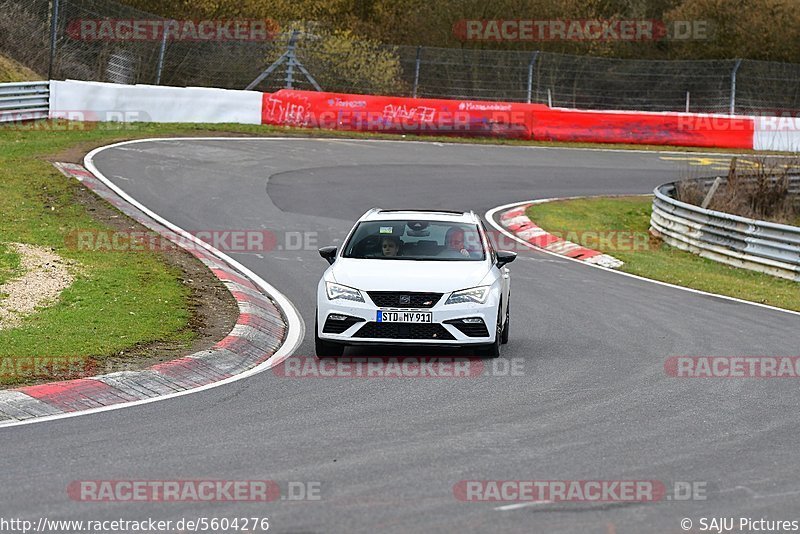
(505,257)
(329,253)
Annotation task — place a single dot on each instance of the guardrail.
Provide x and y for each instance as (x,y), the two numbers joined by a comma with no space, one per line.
(762,246)
(24,101)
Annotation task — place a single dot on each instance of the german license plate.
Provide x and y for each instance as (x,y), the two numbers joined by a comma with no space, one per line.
(385,316)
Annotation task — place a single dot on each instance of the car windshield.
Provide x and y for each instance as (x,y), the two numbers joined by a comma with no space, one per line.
(415,240)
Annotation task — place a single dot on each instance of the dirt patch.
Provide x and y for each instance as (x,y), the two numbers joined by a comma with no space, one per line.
(45,275)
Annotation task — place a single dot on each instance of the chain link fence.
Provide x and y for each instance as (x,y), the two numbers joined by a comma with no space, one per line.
(724,86)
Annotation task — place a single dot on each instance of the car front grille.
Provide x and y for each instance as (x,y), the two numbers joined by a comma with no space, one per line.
(470,329)
(399,299)
(404,331)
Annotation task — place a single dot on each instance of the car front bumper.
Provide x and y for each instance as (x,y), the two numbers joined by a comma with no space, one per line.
(447,328)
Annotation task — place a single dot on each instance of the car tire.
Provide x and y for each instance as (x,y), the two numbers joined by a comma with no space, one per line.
(507,326)
(325,349)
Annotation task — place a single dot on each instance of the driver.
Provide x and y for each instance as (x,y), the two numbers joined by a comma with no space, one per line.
(454,240)
(390,246)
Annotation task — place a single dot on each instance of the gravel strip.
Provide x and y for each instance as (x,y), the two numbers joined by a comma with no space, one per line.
(46,276)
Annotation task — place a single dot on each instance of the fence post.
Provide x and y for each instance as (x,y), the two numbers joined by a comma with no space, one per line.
(549,98)
(530,74)
(161,53)
(687,101)
(290,56)
(290,72)
(53,38)
(291,59)
(416,72)
(733,86)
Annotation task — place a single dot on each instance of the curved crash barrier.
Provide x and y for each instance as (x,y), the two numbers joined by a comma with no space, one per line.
(93,101)
(761,246)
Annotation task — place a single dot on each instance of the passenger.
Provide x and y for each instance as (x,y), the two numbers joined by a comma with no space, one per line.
(390,246)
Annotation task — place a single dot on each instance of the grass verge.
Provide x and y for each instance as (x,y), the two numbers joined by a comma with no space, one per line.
(591,218)
(11,71)
(118,299)
(9,263)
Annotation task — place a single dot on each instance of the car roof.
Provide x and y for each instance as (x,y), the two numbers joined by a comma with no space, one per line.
(377,214)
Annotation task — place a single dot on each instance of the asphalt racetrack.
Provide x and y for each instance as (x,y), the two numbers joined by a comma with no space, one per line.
(592,400)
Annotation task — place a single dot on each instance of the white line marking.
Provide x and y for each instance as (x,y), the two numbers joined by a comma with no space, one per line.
(518,505)
(489,216)
(755,495)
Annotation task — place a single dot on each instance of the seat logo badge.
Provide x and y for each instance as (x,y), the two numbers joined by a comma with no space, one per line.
(405,299)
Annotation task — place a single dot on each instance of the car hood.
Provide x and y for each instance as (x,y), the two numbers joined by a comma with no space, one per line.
(409,275)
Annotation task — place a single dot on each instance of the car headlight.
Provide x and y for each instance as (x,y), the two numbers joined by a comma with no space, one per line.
(473,294)
(338,291)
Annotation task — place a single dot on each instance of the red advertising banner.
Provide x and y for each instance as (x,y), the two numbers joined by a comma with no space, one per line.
(675,129)
(419,116)
(397,114)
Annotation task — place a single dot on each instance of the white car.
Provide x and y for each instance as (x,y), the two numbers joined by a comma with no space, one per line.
(414,278)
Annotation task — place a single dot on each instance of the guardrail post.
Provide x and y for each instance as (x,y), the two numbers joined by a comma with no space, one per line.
(416,72)
(53,38)
(733,86)
(531,63)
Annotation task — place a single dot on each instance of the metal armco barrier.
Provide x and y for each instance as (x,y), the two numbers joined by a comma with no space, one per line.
(747,243)
(24,101)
